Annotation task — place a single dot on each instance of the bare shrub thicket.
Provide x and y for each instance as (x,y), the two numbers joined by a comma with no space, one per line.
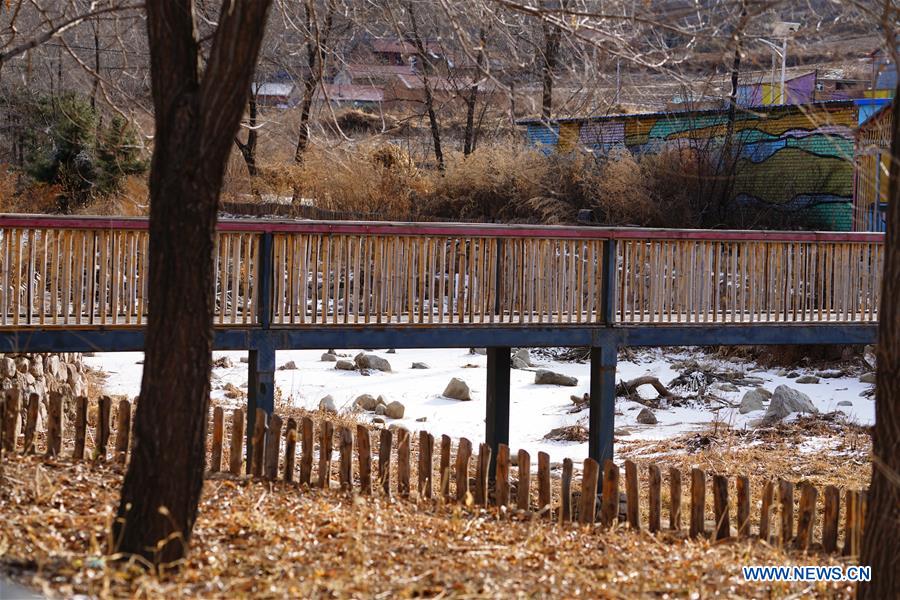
(509,182)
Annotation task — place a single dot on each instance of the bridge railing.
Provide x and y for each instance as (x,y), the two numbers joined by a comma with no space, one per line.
(67,272)
(747,277)
(438,277)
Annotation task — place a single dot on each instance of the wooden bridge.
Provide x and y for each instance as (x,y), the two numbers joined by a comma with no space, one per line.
(79,284)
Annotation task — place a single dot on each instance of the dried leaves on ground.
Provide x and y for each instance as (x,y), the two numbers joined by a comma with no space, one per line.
(273,540)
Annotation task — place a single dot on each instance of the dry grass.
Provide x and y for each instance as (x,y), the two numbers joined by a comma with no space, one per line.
(255,539)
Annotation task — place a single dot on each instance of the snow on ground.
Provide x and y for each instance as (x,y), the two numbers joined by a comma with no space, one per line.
(535,410)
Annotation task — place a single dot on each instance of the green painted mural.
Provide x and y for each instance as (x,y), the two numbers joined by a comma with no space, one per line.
(799,157)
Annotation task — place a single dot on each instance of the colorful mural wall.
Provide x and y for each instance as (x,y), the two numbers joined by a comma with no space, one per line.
(798,157)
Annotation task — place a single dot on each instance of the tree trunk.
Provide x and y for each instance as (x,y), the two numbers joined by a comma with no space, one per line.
(881,539)
(552,35)
(196,120)
(248,149)
(315,62)
(429,96)
(728,158)
(470,135)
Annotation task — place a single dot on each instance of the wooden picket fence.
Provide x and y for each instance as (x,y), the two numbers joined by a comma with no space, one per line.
(274,453)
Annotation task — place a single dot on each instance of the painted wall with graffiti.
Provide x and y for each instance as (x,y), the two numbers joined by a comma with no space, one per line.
(797,157)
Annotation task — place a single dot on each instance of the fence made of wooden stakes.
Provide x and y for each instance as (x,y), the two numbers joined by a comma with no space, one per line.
(606,496)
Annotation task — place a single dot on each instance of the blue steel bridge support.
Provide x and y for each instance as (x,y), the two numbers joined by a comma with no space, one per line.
(261,358)
(497,400)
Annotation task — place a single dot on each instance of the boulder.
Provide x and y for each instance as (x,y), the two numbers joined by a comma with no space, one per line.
(378,421)
(752,401)
(646,417)
(344,365)
(37,367)
(808,379)
(380,409)
(523,356)
(329,357)
(869,356)
(7,367)
(845,403)
(23,364)
(545,377)
(480,351)
(421,419)
(327,404)
(787,400)
(457,389)
(766,394)
(724,386)
(394,410)
(223,362)
(366,402)
(391,351)
(371,361)
(867,377)
(288,366)
(420,365)
(518,363)
(233,392)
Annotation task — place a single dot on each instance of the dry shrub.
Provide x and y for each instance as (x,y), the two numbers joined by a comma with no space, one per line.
(132,200)
(623,196)
(353,121)
(512,183)
(20,196)
(380,179)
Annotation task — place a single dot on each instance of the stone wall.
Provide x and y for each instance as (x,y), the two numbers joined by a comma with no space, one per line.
(44,373)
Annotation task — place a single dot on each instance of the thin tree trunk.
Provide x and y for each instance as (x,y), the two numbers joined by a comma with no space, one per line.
(315,62)
(248,149)
(196,119)
(472,99)
(552,35)
(426,84)
(309,89)
(881,539)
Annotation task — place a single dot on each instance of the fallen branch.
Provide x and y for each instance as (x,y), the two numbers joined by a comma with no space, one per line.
(629,388)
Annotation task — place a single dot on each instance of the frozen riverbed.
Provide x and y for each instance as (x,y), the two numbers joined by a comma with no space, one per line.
(535,410)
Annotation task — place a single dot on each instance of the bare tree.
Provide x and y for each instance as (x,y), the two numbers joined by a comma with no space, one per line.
(881,538)
(197,113)
(248,148)
(550,52)
(318,35)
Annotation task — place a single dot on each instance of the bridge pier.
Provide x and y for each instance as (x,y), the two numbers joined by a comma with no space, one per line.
(497,400)
(602,417)
(261,388)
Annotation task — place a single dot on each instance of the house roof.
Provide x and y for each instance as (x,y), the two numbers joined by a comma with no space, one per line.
(379,70)
(272,89)
(415,82)
(666,113)
(397,46)
(352,93)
